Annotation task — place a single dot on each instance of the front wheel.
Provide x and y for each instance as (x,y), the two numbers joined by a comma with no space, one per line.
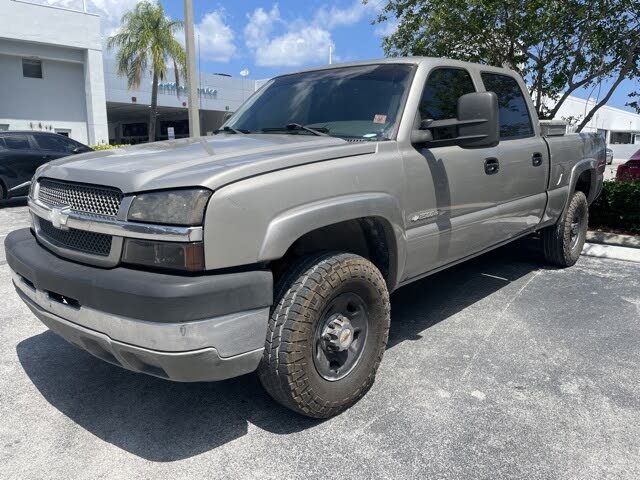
(563,242)
(327,333)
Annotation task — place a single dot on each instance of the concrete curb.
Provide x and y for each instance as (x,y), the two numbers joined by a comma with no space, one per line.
(605,238)
(613,252)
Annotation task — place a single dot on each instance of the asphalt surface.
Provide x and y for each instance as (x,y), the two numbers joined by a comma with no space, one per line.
(497,368)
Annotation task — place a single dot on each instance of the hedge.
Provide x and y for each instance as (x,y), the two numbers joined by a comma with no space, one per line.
(617,207)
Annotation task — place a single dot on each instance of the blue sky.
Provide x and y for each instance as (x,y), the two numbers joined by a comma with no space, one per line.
(272,37)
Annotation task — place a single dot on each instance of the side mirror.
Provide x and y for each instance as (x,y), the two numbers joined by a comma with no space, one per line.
(477,125)
(81,150)
(420,137)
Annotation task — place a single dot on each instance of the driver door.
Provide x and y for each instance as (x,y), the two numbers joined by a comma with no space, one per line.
(453,191)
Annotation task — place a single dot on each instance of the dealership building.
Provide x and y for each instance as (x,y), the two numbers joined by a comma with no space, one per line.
(54,77)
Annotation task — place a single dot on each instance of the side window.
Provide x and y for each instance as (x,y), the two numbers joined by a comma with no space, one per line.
(49,142)
(440,97)
(441,92)
(515,121)
(17,142)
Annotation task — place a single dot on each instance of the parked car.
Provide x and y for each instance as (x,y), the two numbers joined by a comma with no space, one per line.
(22,152)
(630,170)
(274,244)
(609,156)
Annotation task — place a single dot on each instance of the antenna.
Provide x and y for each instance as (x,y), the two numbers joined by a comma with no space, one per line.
(330,54)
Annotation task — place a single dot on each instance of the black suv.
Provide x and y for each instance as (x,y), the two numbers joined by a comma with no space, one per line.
(22,152)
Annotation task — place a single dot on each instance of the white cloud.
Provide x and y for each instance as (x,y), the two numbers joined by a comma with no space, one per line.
(260,26)
(299,41)
(333,17)
(216,38)
(308,45)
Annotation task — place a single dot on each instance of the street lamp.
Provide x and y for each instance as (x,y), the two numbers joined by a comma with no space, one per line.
(194,113)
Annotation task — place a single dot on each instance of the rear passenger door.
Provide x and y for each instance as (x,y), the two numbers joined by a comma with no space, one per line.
(523,155)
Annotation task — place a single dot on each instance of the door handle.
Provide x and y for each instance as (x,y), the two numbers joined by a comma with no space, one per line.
(536,159)
(491,165)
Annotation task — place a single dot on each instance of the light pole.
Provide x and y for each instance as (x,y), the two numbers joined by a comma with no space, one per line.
(243,74)
(194,113)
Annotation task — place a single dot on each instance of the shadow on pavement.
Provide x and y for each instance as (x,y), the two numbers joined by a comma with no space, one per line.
(164,421)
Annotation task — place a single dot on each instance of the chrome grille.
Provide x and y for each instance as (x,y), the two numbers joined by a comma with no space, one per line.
(81,198)
(79,240)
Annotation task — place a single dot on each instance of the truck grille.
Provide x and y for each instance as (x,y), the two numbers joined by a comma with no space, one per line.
(79,240)
(91,199)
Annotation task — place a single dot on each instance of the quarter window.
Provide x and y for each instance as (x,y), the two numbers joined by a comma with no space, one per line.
(513,111)
(31,68)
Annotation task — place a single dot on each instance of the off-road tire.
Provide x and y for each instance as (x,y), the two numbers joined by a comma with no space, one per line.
(557,244)
(287,370)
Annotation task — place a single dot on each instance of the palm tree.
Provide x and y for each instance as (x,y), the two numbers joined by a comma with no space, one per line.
(146,41)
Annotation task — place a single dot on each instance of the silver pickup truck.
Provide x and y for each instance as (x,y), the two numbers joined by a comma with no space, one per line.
(273,245)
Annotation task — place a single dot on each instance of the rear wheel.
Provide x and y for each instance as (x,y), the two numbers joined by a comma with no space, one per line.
(327,333)
(563,242)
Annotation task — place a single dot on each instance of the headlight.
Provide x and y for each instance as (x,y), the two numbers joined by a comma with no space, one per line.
(175,207)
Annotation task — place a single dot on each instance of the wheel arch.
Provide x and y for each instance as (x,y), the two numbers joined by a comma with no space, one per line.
(369,224)
(583,178)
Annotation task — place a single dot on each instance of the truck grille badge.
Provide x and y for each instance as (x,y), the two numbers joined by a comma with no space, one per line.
(59,217)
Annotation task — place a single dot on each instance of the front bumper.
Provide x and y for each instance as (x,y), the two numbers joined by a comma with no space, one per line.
(180,328)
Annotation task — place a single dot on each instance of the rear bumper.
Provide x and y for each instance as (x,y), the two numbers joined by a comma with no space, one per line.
(225,343)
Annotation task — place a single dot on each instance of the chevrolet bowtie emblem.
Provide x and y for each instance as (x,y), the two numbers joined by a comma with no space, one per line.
(59,217)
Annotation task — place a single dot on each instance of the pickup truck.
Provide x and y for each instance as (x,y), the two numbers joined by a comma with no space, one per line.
(274,244)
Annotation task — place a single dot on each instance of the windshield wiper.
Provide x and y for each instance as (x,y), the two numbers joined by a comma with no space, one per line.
(320,131)
(231,130)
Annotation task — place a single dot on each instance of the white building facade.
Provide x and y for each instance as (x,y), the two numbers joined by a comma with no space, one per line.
(616,125)
(51,72)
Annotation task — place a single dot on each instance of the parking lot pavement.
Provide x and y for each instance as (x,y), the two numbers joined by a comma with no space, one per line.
(497,368)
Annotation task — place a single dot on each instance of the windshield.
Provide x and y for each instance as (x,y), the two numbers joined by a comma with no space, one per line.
(352,102)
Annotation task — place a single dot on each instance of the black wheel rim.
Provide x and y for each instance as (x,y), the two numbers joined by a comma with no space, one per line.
(341,336)
(576,227)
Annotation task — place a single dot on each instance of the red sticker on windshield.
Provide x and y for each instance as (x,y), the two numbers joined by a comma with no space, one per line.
(379,118)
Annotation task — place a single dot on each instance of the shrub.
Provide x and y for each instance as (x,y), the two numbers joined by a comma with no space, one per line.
(106,146)
(618,207)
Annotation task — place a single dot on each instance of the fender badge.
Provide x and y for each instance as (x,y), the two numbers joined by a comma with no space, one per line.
(427,214)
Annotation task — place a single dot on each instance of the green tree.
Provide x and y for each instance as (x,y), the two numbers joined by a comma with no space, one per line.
(145,43)
(559,46)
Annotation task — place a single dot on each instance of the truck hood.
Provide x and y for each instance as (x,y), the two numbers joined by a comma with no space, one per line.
(210,162)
